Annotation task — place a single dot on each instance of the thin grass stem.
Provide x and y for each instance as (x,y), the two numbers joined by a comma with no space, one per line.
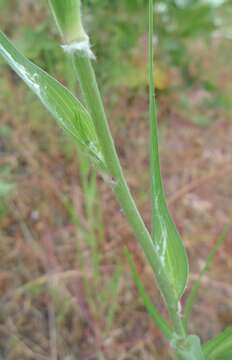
(156,179)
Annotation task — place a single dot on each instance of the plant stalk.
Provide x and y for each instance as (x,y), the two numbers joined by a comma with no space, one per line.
(65,15)
(154,155)
(91,94)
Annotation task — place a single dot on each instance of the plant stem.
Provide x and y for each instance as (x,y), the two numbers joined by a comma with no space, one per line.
(91,93)
(156,178)
(178,323)
(95,106)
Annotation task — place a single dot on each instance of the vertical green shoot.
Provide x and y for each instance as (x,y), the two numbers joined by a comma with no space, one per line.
(67,14)
(166,239)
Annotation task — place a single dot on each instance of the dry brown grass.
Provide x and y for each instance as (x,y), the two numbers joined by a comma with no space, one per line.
(47,310)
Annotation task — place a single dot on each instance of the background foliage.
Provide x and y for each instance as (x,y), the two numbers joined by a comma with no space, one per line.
(63,266)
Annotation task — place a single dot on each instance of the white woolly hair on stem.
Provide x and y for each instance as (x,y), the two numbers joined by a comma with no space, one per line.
(82,47)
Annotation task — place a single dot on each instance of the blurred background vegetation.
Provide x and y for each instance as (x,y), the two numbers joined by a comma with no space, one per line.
(65,285)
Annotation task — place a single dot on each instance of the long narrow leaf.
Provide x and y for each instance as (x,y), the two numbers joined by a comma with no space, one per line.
(220,347)
(66,109)
(168,243)
(147,302)
(192,297)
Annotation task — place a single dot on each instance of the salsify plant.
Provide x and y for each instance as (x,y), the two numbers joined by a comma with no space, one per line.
(88,126)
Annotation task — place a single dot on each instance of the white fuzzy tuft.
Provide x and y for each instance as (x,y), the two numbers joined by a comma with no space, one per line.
(79,46)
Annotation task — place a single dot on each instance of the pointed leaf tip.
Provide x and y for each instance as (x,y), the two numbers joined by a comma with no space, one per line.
(167,241)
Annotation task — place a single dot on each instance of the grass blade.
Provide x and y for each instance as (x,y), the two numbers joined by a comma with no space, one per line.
(220,347)
(167,241)
(192,297)
(147,302)
(66,109)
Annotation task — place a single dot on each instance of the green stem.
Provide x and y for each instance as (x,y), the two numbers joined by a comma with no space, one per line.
(178,323)
(156,178)
(95,106)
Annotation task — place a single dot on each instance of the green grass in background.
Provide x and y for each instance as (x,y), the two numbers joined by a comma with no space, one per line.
(122,40)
